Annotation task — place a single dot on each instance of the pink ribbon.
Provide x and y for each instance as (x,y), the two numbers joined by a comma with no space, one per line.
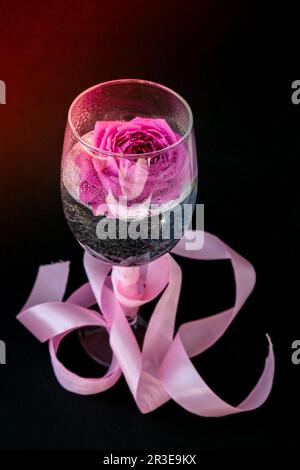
(163,369)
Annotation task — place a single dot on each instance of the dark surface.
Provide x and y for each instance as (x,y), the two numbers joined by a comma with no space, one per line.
(229,64)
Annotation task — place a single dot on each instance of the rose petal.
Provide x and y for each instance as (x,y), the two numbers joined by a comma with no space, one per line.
(103,130)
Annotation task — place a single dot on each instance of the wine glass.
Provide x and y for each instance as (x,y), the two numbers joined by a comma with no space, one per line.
(129,169)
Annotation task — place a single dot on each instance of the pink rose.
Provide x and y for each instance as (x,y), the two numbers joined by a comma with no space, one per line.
(157,179)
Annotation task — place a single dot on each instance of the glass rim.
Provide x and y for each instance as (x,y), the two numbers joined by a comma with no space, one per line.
(131,155)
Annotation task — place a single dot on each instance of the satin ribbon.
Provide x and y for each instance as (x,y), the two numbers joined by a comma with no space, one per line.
(163,369)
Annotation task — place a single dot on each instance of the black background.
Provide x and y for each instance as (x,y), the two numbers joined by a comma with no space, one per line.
(235,65)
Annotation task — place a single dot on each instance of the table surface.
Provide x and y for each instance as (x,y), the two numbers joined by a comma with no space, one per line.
(227,65)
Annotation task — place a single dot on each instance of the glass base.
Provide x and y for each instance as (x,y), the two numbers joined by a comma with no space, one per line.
(95,341)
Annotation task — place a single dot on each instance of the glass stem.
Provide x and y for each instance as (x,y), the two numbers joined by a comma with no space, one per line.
(131,283)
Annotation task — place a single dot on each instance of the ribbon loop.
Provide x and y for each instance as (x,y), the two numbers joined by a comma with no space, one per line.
(163,369)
